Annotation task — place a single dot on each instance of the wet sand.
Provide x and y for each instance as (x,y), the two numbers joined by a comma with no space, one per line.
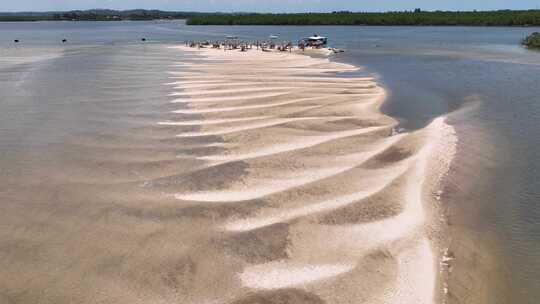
(251,178)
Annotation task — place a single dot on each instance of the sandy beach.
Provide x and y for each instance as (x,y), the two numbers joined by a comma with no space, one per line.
(327,202)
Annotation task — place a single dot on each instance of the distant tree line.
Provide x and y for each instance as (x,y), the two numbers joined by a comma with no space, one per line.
(416,17)
(97,15)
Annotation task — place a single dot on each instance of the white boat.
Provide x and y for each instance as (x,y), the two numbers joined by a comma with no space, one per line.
(273,37)
(316,41)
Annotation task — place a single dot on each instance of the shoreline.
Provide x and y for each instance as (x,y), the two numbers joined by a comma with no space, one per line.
(419,195)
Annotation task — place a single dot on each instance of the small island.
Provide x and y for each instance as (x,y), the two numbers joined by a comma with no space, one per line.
(532,41)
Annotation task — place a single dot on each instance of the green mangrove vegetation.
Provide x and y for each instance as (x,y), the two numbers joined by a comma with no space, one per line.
(532,41)
(417,17)
(97,15)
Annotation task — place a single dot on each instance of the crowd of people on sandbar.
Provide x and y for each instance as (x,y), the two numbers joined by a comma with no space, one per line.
(242,45)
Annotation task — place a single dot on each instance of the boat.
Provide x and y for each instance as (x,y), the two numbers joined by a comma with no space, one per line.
(230,37)
(273,37)
(336,50)
(316,41)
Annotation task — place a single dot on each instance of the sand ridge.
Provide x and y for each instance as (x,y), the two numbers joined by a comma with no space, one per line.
(316,182)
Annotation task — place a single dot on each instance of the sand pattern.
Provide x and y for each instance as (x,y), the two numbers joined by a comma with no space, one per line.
(314,197)
(225,178)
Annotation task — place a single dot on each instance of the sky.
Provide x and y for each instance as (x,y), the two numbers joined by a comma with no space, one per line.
(267,5)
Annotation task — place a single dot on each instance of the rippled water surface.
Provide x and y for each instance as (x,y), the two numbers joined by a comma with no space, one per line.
(78,138)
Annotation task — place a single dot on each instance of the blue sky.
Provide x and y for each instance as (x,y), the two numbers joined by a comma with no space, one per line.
(268,5)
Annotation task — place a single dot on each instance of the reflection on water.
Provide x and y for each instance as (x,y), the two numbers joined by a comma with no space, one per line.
(66,108)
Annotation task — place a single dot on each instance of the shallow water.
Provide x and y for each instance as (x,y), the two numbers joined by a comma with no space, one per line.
(64,108)
(493,188)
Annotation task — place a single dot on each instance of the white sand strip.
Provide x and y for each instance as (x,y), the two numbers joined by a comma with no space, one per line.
(407,222)
(210,121)
(265,78)
(416,277)
(243,108)
(183,86)
(286,215)
(225,91)
(230,98)
(272,122)
(196,82)
(296,84)
(299,143)
(364,237)
(187,73)
(281,274)
(263,187)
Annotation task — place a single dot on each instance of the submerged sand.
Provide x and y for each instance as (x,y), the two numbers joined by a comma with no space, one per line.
(248,178)
(330,202)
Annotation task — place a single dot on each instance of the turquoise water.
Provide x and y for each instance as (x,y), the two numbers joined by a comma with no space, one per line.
(55,93)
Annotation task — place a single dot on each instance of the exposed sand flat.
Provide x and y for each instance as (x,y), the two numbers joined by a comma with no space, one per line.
(243,108)
(217,92)
(230,98)
(285,66)
(295,145)
(286,215)
(248,93)
(314,79)
(282,275)
(209,121)
(308,190)
(416,276)
(257,184)
(261,187)
(269,123)
(213,87)
(182,86)
(197,82)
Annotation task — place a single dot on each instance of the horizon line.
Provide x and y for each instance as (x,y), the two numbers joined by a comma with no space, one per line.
(254,12)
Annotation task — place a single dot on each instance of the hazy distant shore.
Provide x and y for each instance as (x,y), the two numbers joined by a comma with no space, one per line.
(98,15)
